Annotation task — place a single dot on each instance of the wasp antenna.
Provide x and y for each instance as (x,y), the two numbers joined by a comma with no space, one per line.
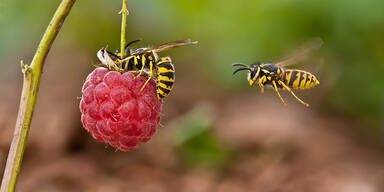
(240,64)
(240,69)
(132,42)
(111,53)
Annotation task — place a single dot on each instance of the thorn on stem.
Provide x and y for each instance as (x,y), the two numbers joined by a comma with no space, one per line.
(125,11)
(24,68)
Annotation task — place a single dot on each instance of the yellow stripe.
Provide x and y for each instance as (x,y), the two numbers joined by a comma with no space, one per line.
(159,91)
(309,80)
(162,61)
(164,86)
(166,59)
(302,83)
(164,78)
(297,80)
(266,71)
(164,70)
(262,80)
(257,72)
(278,71)
(143,59)
(316,81)
(288,76)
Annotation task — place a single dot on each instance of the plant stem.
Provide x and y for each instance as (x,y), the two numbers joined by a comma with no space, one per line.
(32,75)
(124,12)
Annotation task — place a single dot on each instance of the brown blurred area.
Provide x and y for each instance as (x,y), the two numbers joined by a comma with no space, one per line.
(272,147)
(216,134)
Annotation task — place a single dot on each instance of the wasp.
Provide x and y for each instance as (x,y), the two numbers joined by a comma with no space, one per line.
(146,61)
(275,75)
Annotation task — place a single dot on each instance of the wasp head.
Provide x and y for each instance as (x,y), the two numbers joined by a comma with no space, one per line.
(253,71)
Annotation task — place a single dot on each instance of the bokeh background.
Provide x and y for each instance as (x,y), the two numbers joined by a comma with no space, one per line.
(217,133)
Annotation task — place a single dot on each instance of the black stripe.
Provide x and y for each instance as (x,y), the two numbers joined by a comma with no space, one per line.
(147,62)
(293,78)
(307,79)
(123,64)
(167,74)
(166,91)
(160,95)
(131,64)
(167,83)
(313,78)
(300,78)
(127,64)
(166,65)
(303,80)
(139,63)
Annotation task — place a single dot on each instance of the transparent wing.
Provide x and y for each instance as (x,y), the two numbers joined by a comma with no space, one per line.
(170,45)
(301,52)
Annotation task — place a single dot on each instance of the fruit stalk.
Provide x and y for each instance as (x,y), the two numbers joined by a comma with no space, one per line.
(124,12)
(32,75)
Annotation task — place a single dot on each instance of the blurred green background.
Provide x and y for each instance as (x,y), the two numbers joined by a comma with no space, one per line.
(228,31)
(349,65)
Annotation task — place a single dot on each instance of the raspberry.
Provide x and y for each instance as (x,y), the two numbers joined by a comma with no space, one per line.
(114,110)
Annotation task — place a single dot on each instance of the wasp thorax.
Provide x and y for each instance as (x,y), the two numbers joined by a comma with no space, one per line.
(139,51)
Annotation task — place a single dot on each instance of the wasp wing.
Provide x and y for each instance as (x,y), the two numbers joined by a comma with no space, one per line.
(301,52)
(170,45)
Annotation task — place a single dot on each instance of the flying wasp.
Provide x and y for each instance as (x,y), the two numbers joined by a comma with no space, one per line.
(146,61)
(275,75)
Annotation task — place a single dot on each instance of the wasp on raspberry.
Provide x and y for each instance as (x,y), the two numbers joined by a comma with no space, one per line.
(145,61)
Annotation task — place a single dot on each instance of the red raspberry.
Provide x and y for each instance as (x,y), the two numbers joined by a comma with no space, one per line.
(115,112)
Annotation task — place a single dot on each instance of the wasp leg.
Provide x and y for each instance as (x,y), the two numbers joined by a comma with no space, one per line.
(150,76)
(141,72)
(262,80)
(142,67)
(289,89)
(125,62)
(277,91)
(261,88)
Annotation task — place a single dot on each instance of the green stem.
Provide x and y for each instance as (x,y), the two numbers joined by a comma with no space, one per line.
(32,74)
(124,12)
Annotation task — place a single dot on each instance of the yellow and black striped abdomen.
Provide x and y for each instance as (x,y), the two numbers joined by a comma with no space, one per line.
(165,77)
(299,79)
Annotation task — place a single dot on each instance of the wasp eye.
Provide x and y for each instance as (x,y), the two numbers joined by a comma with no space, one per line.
(253,72)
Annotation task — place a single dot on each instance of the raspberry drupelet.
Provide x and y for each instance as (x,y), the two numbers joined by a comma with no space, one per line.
(114,110)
